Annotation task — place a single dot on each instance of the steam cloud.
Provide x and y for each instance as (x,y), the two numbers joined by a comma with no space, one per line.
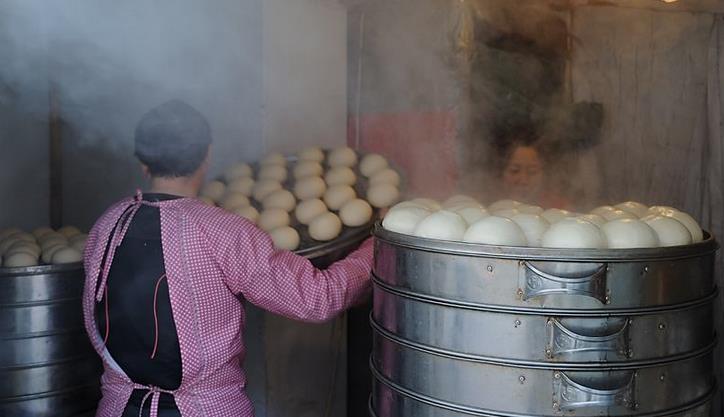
(110,61)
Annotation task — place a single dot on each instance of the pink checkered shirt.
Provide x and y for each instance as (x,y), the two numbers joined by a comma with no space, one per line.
(213,259)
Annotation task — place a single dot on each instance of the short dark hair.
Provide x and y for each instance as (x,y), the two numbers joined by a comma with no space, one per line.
(172,140)
(507,141)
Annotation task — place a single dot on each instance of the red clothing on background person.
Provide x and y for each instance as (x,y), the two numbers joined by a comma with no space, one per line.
(554,200)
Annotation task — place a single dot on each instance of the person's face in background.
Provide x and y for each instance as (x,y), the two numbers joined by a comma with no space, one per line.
(523,174)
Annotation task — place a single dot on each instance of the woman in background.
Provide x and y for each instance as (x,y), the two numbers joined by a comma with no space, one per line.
(526,171)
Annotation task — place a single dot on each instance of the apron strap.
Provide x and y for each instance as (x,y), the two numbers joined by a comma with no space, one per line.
(117,236)
(119,233)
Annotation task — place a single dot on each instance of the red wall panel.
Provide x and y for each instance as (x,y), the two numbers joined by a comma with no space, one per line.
(423,145)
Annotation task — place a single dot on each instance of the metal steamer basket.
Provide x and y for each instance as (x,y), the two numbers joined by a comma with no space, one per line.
(48,367)
(474,330)
(322,255)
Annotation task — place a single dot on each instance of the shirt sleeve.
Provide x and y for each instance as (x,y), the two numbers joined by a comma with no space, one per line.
(289,285)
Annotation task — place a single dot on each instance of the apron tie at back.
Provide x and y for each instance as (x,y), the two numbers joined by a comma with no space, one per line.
(155,394)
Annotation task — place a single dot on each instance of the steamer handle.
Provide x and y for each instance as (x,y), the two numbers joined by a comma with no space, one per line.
(570,396)
(563,340)
(539,283)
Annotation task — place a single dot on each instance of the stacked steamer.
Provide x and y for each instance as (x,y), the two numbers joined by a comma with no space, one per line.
(514,310)
(318,202)
(48,367)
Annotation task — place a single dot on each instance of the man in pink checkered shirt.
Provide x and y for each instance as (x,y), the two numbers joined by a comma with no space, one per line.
(167,278)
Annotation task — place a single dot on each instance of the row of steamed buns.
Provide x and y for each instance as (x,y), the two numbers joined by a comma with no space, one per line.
(512,223)
(319,189)
(43,246)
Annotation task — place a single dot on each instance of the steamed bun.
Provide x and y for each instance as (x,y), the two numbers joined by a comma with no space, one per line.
(285,238)
(618,214)
(697,235)
(472,214)
(355,213)
(325,227)
(342,157)
(508,213)
(273,218)
(282,199)
(214,190)
(669,230)
(47,255)
(67,231)
(232,201)
(307,210)
(372,164)
(263,189)
(593,218)
(633,207)
(39,232)
(20,259)
(273,172)
(305,169)
(528,209)
(207,201)
(310,187)
(11,231)
(383,195)
(386,176)
(443,225)
(494,230)
(337,196)
(23,246)
(503,205)
(629,233)
(67,255)
(237,171)
(555,215)
(574,233)
(340,176)
(603,210)
(243,185)
(533,227)
(404,219)
(313,154)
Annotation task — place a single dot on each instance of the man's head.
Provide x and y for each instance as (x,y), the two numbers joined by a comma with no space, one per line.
(172,140)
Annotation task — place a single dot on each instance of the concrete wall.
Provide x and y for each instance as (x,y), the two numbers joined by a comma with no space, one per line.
(305,78)
(24,152)
(305,103)
(24,170)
